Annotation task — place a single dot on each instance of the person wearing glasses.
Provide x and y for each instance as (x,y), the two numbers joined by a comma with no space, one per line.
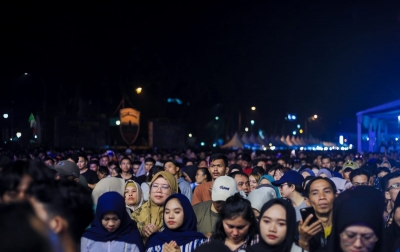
(357,221)
(149,217)
(391,186)
(359,177)
(290,187)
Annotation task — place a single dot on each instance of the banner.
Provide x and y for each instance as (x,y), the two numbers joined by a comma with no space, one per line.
(129,126)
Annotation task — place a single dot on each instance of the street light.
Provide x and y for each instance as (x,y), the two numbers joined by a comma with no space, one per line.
(190,135)
(5,116)
(117,122)
(138,90)
(252,122)
(246,129)
(19,134)
(216,118)
(253,108)
(315,116)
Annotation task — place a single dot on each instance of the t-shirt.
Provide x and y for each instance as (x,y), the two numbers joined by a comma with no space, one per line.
(297,209)
(131,178)
(202,193)
(91,176)
(206,218)
(185,188)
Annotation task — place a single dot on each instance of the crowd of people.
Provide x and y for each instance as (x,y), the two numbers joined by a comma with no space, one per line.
(199,201)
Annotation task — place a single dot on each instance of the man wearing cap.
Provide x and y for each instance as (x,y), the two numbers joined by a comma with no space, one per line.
(207,212)
(290,187)
(70,171)
(348,166)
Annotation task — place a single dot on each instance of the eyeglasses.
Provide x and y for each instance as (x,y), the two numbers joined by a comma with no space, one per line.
(351,238)
(360,184)
(163,188)
(394,186)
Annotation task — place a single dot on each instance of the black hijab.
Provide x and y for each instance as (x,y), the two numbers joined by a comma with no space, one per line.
(392,233)
(360,205)
(287,244)
(191,171)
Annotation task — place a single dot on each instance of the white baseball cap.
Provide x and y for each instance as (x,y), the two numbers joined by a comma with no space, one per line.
(223,188)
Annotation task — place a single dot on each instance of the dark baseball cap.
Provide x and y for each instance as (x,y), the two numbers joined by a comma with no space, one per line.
(290,177)
(67,168)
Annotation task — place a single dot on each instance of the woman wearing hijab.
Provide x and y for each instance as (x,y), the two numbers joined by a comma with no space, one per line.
(149,216)
(111,229)
(325,173)
(268,179)
(277,228)
(133,196)
(307,173)
(357,221)
(180,227)
(110,184)
(189,173)
(392,232)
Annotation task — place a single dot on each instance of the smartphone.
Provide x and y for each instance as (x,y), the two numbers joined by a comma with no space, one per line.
(305,212)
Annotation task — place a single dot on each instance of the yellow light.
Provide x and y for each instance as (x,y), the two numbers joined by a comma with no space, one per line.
(253,108)
(190,135)
(301,131)
(246,129)
(315,116)
(138,90)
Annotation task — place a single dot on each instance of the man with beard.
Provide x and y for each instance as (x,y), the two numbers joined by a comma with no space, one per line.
(320,194)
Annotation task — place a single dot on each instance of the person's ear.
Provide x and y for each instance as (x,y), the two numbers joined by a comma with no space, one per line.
(58,224)
(387,195)
(307,202)
(226,170)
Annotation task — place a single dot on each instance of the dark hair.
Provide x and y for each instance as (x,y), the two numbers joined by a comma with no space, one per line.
(118,170)
(381,169)
(47,158)
(283,169)
(234,174)
(358,172)
(69,200)
(153,171)
(386,178)
(103,170)
(258,169)
(305,181)
(149,159)
(234,166)
(308,186)
(72,156)
(125,158)
(206,172)
(18,233)
(94,162)
(326,157)
(136,163)
(217,156)
(201,160)
(235,206)
(82,155)
(113,163)
(12,174)
(297,188)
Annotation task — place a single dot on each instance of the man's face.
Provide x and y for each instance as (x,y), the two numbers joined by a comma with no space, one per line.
(19,194)
(321,197)
(243,183)
(326,163)
(148,165)
(360,180)
(104,161)
(392,193)
(49,162)
(346,175)
(101,175)
(171,168)
(93,167)
(340,163)
(135,168)
(359,162)
(217,168)
(81,163)
(244,164)
(281,162)
(262,164)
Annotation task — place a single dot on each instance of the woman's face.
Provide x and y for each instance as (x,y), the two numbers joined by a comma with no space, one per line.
(200,177)
(114,173)
(273,225)
(253,183)
(357,238)
(271,172)
(202,164)
(323,175)
(236,229)
(315,170)
(159,191)
(278,174)
(110,221)
(131,195)
(173,214)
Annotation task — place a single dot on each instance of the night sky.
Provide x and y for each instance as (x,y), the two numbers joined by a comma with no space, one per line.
(293,57)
